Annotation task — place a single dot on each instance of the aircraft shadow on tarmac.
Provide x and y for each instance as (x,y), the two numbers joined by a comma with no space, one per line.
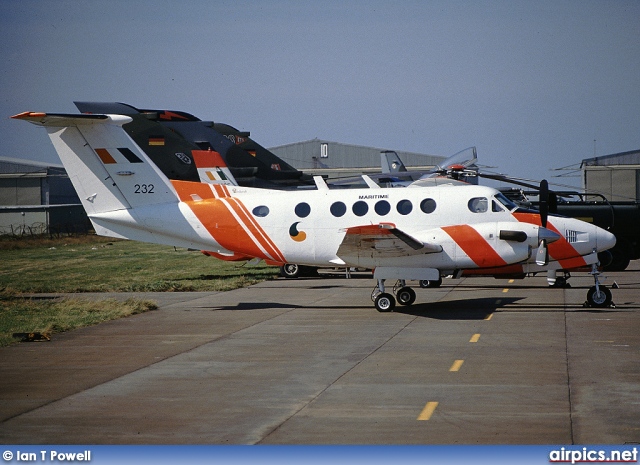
(462,309)
(466,309)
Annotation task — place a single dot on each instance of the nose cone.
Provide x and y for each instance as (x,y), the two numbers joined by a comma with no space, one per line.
(604,240)
(548,235)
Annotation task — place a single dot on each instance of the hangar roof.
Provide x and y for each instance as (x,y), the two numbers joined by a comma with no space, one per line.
(18,166)
(623,158)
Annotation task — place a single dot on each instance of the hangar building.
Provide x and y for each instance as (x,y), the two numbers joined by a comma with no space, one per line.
(37,198)
(323,157)
(616,176)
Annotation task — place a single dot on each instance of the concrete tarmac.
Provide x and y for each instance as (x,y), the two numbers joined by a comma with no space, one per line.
(310,361)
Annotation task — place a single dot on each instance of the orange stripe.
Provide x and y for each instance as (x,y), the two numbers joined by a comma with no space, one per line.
(222,225)
(105,156)
(561,250)
(474,245)
(260,235)
(369,230)
(186,189)
(215,215)
(220,190)
(207,159)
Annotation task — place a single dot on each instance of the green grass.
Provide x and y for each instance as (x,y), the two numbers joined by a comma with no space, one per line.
(95,264)
(23,315)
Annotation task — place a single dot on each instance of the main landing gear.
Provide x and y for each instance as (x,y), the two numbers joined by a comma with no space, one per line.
(385,302)
(598,295)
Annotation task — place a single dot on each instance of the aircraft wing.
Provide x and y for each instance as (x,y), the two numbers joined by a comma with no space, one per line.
(382,240)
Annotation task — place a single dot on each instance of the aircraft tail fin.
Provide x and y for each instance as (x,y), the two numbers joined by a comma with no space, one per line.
(391,163)
(212,169)
(106,167)
(124,193)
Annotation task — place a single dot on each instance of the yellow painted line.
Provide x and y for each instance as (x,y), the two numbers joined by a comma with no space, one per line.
(488,317)
(505,290)
(427,411)
(511,281)
(456,365)
(474,338)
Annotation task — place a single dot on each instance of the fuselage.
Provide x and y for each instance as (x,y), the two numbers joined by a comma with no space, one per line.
(309,227)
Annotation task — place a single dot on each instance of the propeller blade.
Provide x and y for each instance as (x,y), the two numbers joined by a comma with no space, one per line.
(544,202)
(542,256)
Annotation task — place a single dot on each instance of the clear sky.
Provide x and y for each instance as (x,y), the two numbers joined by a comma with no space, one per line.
(532,84)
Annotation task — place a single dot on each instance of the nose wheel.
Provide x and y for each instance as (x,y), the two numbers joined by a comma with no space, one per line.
(598,296)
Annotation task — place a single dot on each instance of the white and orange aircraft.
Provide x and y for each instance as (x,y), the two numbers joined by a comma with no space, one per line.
(416,233)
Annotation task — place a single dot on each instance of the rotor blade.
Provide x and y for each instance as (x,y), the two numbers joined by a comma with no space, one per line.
(502,177)
(544,202)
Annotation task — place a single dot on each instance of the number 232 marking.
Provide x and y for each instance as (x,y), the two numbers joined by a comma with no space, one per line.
(143,189)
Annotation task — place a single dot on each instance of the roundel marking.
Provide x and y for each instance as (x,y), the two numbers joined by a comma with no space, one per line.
(296,235)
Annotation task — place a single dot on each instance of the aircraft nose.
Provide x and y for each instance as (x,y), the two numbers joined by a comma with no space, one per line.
(604,240)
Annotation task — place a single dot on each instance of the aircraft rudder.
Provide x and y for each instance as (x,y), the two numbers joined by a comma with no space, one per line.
(107,168)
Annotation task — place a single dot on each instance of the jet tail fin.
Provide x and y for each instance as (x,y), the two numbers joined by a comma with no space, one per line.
(212,169)
(391,163)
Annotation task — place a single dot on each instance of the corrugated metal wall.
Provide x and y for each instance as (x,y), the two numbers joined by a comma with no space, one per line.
(615,176)
(323,154)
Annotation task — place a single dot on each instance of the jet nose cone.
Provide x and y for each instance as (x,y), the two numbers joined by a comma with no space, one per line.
(604,240)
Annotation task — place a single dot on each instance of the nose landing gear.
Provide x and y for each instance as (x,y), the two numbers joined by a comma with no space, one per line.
(599,295)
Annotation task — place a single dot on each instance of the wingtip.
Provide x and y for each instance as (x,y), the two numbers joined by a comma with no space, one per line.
(29,114)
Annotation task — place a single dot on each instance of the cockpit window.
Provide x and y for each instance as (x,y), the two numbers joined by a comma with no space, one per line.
(478,205)
(509,205)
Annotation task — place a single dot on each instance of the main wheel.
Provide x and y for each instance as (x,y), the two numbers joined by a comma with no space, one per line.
(406,296)
(599,299)
(290,270)
(385,302)
(430,283)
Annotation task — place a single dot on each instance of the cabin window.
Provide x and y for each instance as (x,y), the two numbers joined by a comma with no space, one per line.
(382,207)
(404,207)
(303,209)
(360,208)
(495,207)
(261,210)
(478,205)
(338,209)
(428,205)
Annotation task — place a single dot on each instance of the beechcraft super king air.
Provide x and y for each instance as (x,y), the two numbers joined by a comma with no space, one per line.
(416,233)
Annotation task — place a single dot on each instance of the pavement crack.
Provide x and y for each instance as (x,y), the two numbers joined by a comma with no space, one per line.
(332,383)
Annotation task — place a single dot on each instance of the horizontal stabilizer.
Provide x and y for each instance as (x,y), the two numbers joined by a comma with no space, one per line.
(68,119)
